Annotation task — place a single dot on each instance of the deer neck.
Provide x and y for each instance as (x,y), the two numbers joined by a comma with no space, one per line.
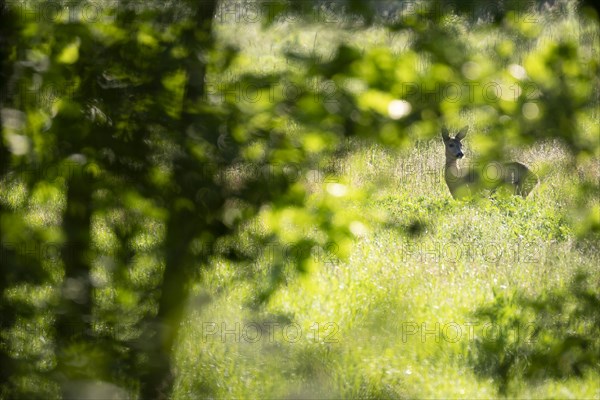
(453,176)
(452,166)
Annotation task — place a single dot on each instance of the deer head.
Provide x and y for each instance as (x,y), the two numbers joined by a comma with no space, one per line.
(453,144)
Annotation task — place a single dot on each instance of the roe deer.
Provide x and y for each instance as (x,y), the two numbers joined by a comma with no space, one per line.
(464,182)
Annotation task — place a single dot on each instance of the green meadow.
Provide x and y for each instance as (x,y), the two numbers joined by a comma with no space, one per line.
(319,254)
(396,318)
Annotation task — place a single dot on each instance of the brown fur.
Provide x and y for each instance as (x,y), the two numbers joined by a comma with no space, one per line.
(464,182)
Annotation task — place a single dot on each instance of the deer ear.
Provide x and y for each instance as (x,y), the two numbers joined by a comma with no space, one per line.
(462,133)
(445,134)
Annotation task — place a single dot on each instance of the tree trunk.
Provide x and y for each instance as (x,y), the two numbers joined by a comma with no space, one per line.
(158,378)
(157,381)
(7,313)
(74,317)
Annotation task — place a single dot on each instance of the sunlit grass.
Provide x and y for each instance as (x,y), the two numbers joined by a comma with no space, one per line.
(395,319)
(392,320)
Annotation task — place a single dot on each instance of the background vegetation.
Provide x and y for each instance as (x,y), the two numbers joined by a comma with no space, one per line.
(226,199)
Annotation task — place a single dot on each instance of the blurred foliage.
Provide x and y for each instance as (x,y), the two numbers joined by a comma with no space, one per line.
(556,335)
(109,125)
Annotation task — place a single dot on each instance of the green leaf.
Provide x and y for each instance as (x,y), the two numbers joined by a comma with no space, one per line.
(70,53)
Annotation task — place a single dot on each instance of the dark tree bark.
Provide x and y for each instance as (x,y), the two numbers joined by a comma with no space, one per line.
(182,225)
(7,313)
(74,316)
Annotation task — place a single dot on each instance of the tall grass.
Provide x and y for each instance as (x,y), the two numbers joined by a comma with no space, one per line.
(395,319)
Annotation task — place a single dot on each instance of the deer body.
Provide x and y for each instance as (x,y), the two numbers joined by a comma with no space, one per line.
(463,182)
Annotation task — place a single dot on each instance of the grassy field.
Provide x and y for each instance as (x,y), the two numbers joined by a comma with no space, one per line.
(392,316)
(394,320)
